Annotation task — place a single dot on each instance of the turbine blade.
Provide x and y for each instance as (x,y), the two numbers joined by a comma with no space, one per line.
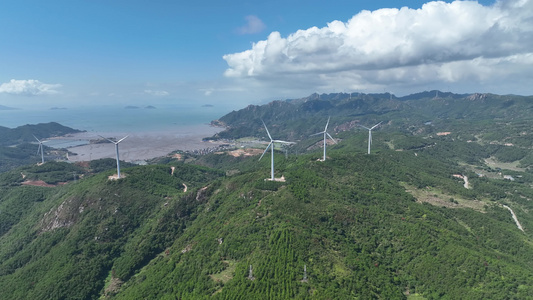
(284,142)
(364,127)
(325,129)
(331,138)
(376,125)
(370,137)
(122,139)
(107,139)
(39,148)
(266,149)
(267,130)
(317,133)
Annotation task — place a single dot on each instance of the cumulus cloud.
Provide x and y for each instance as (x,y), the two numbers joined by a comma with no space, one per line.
(450,42)
(30,87)
(253,25)
(157,93)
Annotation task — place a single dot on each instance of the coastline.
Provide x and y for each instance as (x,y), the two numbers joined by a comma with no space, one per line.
(140,146)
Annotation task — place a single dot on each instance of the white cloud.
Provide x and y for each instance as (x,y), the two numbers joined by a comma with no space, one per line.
(225,89)
(253,25)
(157,93)
(29,87)
(440,42)
(207,92)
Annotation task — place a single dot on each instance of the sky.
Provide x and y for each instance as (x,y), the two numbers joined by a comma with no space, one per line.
(234,53)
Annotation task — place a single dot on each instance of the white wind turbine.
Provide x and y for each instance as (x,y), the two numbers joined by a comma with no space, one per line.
(326,135)
(271,146)
(40,148)
(370,134)
(116,149)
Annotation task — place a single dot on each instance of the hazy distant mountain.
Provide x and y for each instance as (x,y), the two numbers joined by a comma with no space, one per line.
(2,107)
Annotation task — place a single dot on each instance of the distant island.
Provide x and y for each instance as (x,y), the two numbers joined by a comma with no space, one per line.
(150,107)
(2,107)
(57,108)
(131,107)
(207,105)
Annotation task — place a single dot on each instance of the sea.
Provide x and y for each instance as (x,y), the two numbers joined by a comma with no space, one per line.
(180,119)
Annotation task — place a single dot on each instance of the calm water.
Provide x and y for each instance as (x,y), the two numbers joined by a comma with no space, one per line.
(116,118)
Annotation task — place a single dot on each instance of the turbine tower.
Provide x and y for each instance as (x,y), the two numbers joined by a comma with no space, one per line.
(40,148)
(271,146)
(326,135)
(370,134)
(116,150)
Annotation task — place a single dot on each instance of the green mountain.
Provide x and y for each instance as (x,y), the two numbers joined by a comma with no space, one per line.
(301,117)
(425,216)
(15,147)
(25,133)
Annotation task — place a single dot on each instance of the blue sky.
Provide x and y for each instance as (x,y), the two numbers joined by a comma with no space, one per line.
(234,53)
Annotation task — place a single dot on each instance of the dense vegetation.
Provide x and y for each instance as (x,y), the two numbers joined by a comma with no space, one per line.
(396,224)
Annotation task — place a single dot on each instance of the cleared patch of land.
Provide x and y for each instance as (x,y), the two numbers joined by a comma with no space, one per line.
(439,198)
(513,166)
(245,152)
(227,274)
(41,183)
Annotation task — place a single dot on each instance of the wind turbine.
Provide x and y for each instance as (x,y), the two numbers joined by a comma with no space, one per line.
(326,134)
(40,148)
(370,134)
(116,149)
(271,146)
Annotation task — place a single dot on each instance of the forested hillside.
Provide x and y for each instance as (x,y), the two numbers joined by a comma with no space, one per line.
(440,209)
(354,222)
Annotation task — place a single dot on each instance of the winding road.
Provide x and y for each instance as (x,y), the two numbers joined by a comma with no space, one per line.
(514,217)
